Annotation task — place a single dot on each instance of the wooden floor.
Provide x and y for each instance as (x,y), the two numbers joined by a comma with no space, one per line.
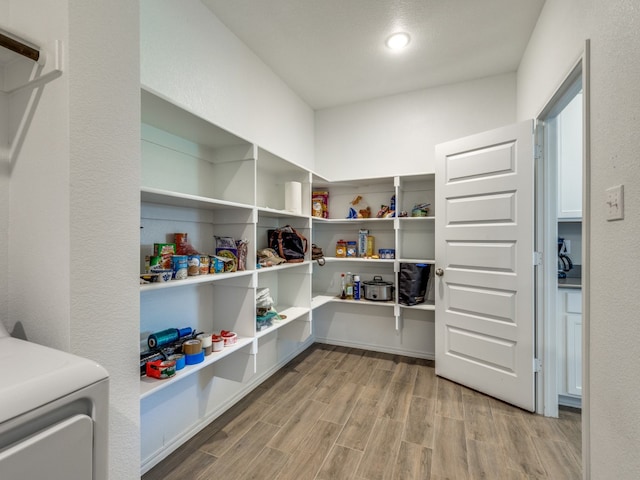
(337,413)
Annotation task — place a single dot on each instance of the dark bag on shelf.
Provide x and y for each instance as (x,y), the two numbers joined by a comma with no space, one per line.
(288,243)
(317,254)
(412,283)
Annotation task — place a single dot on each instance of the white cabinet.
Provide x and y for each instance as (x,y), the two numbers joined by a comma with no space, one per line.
(569,343)
(376,325)
(568,127)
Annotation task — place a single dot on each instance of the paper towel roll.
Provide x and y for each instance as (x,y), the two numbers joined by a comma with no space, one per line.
(293,197)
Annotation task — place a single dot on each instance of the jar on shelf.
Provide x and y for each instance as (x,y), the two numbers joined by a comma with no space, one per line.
(352,249)
(341,248)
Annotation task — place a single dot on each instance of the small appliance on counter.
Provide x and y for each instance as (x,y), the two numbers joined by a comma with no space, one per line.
(564,262)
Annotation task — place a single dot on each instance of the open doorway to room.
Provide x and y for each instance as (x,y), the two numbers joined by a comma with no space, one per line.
(562,227)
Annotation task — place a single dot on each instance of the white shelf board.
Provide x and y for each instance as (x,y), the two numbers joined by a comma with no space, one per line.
(167,197)
(178,120)
(149,386)
(320,299)
(417,219)
(292,314)
(421,306)
(358,260)
(340,221)
(283,266)
(274,213)
(198,279)
(416,260)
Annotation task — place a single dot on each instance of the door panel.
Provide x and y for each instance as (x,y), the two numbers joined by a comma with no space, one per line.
(484,246)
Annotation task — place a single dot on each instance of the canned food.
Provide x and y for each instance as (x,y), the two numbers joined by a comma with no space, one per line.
(180,267)
(181,243)
(216,264)
(204,264)
(193,265)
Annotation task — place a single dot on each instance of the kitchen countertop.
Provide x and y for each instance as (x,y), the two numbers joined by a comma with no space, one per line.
(570,282)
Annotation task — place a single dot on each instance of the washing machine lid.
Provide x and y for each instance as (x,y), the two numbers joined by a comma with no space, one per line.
(34,375)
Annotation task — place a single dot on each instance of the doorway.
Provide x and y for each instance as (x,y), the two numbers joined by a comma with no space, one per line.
(560,237)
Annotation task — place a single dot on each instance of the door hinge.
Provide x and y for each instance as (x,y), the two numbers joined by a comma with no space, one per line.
(537,365)
(537,258)
(538,151)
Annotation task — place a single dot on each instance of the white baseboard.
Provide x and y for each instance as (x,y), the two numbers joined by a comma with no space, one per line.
(378,348)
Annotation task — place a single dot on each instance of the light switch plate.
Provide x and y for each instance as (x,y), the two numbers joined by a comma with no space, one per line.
(615,203)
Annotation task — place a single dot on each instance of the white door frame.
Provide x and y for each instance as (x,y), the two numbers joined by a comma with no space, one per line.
(546,281)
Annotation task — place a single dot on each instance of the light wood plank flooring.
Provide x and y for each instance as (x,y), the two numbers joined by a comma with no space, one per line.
(337,413)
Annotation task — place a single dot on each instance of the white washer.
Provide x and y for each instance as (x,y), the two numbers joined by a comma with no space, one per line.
(53,414)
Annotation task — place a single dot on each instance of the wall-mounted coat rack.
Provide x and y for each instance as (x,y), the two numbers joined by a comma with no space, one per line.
(15,49)
(20,48)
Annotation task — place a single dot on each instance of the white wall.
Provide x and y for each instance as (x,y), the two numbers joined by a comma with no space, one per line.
(614,30)
(71,220)
(397,134)
(190,57)
(38,172)
(104,212)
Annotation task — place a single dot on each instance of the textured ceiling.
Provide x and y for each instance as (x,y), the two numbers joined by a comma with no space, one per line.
(331,52)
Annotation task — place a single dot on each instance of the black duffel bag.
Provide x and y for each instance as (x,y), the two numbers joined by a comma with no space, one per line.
(288,244)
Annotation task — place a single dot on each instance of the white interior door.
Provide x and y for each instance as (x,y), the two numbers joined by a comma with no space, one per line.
(484,262)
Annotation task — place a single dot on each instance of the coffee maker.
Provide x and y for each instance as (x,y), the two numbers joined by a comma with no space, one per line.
(564,262)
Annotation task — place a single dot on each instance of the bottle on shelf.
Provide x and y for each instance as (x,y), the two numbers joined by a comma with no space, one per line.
(356,287)
(343,287)
(349,284)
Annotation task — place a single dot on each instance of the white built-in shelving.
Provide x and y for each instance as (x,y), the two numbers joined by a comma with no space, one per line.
(205,181)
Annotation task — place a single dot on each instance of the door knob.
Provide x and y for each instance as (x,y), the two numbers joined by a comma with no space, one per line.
(439,272)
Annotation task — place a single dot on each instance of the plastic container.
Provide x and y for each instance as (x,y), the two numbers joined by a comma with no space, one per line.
(387,253)
(341,249)
(371,245)
(352,249)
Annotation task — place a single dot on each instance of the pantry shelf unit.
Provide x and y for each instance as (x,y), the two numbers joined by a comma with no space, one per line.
(149,386)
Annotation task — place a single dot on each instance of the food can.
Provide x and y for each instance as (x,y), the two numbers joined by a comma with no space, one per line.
(181,243)
(216,264)
(180,267)
(193,265)
(204,264)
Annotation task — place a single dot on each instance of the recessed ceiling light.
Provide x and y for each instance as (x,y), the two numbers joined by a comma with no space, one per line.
(398,41)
